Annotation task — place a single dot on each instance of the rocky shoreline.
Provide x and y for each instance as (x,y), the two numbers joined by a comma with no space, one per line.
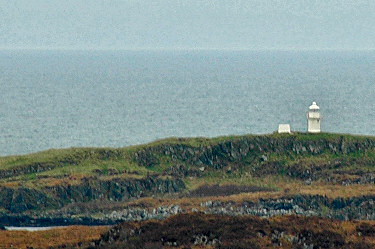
(355,208)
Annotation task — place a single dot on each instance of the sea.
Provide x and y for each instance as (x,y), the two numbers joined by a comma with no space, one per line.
(96,98)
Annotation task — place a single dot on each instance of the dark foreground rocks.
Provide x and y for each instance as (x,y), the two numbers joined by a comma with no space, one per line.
(198,230)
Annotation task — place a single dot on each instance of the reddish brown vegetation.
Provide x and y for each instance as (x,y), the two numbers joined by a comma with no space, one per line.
(366,229)
(60,237)
(214,231)
(225,190)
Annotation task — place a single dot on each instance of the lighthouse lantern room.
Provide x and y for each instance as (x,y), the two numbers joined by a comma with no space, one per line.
(313,118)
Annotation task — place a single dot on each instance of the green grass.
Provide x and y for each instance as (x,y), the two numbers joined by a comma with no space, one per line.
(196,142)
(90,167)
(89,154)
(101,161)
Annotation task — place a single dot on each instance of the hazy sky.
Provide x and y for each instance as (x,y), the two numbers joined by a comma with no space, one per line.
(218,24)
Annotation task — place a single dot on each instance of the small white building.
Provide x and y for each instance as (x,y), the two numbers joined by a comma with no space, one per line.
(284,128)
(313,119)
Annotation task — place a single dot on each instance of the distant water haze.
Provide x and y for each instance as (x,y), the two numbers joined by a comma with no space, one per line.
(188,24)
(59,99)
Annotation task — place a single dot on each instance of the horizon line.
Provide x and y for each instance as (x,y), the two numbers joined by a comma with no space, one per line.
(177,49)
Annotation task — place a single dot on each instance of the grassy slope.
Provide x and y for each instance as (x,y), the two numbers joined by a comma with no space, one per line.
(69,166)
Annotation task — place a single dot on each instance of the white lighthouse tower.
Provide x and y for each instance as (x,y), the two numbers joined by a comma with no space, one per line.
(313,119)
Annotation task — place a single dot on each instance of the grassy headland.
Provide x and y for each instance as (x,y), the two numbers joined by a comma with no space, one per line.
(326,175)
(332,165)
(243,159)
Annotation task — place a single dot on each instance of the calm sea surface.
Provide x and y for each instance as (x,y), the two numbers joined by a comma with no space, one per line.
(59,99)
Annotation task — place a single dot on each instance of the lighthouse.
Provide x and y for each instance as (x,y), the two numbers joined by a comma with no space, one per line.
(313,119)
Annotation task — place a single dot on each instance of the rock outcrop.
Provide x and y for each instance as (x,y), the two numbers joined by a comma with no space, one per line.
(18,200)
(354,208)
(220,154)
